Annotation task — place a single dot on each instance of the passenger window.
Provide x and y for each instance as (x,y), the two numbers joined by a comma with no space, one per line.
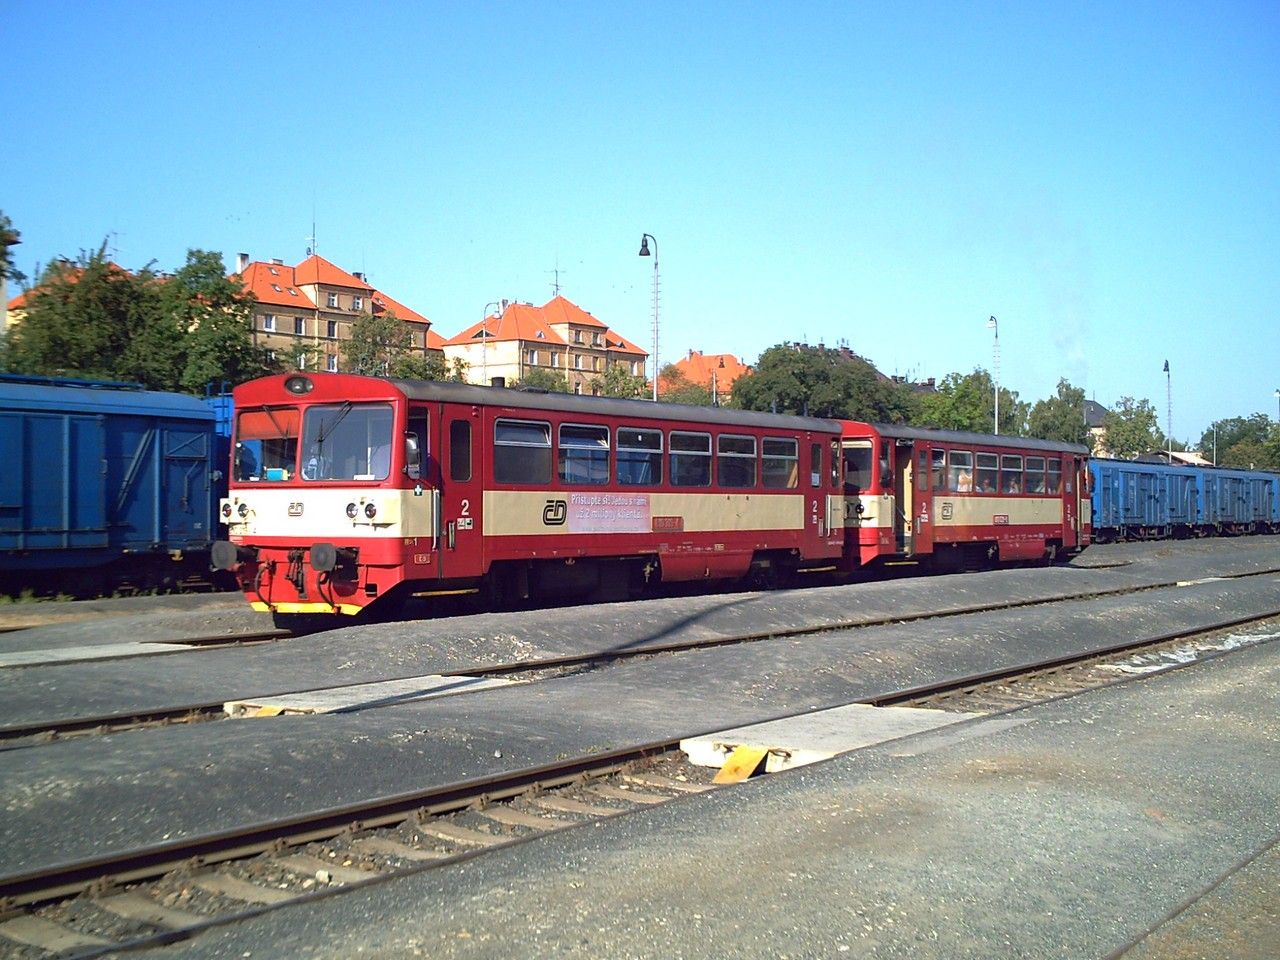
(988,472)
(922,470)
(815,464)
(960,477)
(939,471)
(460,450)
(735,461)
(780,463)
(1010,474)
(835,465)
(584,454)
(1035,475)
(521,451)
(690,459)
(639,457)
(1054,477)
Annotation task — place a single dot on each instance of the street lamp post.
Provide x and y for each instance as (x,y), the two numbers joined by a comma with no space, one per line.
(994,325)
(1278,405)
(645,239)
(484,342)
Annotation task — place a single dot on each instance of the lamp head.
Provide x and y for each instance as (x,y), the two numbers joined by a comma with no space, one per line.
(644,245)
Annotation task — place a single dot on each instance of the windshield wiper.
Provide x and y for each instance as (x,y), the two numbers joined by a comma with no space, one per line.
(323,434)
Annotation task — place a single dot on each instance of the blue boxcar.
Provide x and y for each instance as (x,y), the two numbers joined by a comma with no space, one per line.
(1146,501)
(101,474)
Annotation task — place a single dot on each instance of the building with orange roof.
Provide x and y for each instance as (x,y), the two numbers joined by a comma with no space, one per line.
(306,311)
(559,337)
(715,372)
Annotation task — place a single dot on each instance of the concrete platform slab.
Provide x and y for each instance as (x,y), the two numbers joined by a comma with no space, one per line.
(808,738)
(105,651)
(365,696)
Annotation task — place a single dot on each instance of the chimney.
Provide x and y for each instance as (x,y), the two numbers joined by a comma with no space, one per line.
(277,261)
(242,262)
(358,276)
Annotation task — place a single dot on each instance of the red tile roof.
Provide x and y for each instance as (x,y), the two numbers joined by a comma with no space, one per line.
(316,269)
(699,368)
(71,273)
(382,303)
(275,284)
(434,340)
(520,321)
(560,310)
(620,344)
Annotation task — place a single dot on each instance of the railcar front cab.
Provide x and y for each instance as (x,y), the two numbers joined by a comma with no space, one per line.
(316,513)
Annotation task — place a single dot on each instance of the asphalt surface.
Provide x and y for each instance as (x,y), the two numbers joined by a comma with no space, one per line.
(166,783)
(1139,817)
(391,651)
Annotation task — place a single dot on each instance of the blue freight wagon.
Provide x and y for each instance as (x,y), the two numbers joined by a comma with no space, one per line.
(104,484)
(1152,501)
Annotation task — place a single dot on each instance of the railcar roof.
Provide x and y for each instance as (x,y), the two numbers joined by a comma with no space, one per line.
(899,431)
(95,398)
(450,392)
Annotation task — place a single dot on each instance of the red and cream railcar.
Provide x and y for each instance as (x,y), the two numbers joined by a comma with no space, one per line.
(348,489)
(961,499)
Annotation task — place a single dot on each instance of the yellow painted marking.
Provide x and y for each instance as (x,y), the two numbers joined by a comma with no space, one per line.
(267,712)
(741,763)
(350,609)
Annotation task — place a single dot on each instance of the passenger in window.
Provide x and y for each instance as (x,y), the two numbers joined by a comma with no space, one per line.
(1012,483)
(964,482)
(985,485)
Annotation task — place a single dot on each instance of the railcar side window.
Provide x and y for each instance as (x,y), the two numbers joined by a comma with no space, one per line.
(780,463)
(960,475)
(1054,479)
(1010,474)
(939,470)
(835,465)
(735,461)
(1035,475)
(267,444)
(988,474)
(521,451)
(347,441)
(922,469)
(584,453)
(690,459)
(460,450)
(639,457)
(815,464)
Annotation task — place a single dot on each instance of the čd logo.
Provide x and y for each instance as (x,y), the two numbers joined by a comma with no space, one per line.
(555,513)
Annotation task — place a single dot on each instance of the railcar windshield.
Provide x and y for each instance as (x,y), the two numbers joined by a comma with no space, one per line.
(267,444)
(347,441)
(857,465)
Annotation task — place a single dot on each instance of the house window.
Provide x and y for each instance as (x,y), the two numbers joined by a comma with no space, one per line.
(299,326)
(595,340)
(271,355)
(531,357)
(577,361)
(357,303)
(555,360)
(269,322)
(332,327)
(577,336)
(577,389)
(302,360)
(331,363)
(333,299)
(635,368)
(595,364)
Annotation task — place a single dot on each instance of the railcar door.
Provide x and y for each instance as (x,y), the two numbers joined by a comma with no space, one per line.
(1073,494)
(459,439)
(921,516)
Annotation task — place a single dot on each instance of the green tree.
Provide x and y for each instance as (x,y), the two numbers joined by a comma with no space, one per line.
(1250,434)
(675,387)
(966,401)
(9,237)
(821,383)
(213,316)
(618,381)
(540,378)
(1060,417)
(417,366)
(1131,429)
(376,343)
(89,318)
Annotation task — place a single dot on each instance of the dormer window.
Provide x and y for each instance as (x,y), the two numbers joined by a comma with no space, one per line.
(540,335)
(293,292)
(274,272)
(276,288)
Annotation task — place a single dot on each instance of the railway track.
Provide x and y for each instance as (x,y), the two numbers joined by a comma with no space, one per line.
(173,891)
(210,710)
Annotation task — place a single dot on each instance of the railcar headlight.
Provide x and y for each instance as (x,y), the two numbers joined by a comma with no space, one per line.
(243,510)
(226,510)
(370,510)
(352,510)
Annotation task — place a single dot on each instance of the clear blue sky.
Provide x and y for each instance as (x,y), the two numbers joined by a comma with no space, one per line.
(1103,178)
